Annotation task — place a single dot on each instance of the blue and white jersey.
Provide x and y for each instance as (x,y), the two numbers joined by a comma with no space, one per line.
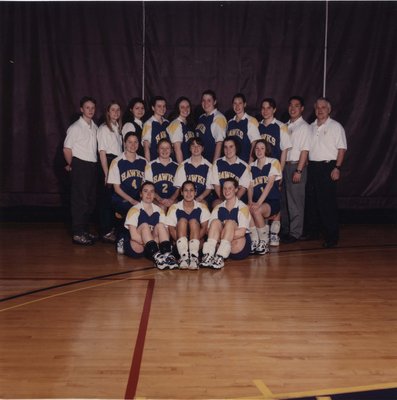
(162,176)
(200,175)
(200,213)
(276,134)
(238,170)
(239,213)
(129,175)
(178,131)
(246,132)
(137,216)
(153,132)
(211,129)
(260,178)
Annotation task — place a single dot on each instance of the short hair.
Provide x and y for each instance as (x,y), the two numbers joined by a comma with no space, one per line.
(210,93)
(322,98)
(133,101)
(188,183)
(271,102)
(146,183)
(198,141)
(155,99)
(129,134)
(85,99)
(299,98)
(231,179)
(164,140)
(239,96)
(235,141)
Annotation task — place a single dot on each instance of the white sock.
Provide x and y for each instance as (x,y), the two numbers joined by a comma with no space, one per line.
(254,234)
(224,249)
(182,246)
(275,227)
(264,233)
(194,247)
(209,247)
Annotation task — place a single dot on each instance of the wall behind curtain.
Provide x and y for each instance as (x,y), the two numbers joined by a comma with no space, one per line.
(54,53)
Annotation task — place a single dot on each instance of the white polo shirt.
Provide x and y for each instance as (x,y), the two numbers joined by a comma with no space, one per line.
(109,141)
(326,140)
(299,133)
(81,138)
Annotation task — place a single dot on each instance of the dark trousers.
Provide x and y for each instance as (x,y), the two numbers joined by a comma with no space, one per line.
(106,210)
(83,194)
(322,208)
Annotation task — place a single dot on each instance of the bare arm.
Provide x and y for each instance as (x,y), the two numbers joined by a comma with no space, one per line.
(124,195)
(67,153)
(335,174)
(178,152)
(296,178)
(218,150)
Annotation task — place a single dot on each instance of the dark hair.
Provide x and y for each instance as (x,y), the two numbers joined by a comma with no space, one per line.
(210,93)
(269,100)
(188,183)
(128,134)
(146,183)
(84,100)
(239,96)
(299,98)
(268,148)
(198,141)
(235,141)
(128,116)
(164,140)
(155,99)
(230,179)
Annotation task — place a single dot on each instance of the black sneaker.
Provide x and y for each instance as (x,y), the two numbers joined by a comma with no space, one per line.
(82,240)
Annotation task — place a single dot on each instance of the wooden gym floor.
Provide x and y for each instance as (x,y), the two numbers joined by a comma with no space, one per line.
(84,322)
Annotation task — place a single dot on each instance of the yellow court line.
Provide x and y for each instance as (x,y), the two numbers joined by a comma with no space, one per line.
(266,392)
(73,291)
(325,392)
(323,398)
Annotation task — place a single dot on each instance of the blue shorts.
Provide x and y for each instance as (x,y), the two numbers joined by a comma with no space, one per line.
(245,252)
(274,206)
(128,250)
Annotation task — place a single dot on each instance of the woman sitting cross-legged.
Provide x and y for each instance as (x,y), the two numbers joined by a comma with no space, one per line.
(228,226)
(147,233)
(187,222)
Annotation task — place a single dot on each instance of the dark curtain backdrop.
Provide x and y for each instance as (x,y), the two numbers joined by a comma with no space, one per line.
(53,53)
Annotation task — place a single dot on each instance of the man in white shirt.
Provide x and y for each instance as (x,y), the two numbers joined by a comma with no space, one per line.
(295,173)
(80,152)
(327,151)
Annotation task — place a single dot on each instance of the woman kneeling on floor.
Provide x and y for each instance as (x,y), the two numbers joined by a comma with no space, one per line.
(148,235)
(229,225)
(188,219)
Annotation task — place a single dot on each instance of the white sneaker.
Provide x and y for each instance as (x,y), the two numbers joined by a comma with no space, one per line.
(207,261)
(254,245)
(219,262)
(274,239)
(263,247)
(120,246)
(170,261)
(184,263)
(160,261)
(194,262)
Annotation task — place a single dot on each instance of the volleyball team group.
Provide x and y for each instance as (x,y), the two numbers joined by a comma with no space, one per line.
(186,194)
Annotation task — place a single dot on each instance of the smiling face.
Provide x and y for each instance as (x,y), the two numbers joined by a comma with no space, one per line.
(147,193)
(322,109)
(114,112)
(295,109)
(239,106)
(188,192)
(184,109)
(160,108)
(260,150)
(229,190)
(164,150)
(229,149)
(131,144)
(196,149)
(267,111)
(208,103)
(138,110)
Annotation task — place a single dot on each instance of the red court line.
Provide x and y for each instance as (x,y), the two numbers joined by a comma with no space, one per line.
(140,343)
